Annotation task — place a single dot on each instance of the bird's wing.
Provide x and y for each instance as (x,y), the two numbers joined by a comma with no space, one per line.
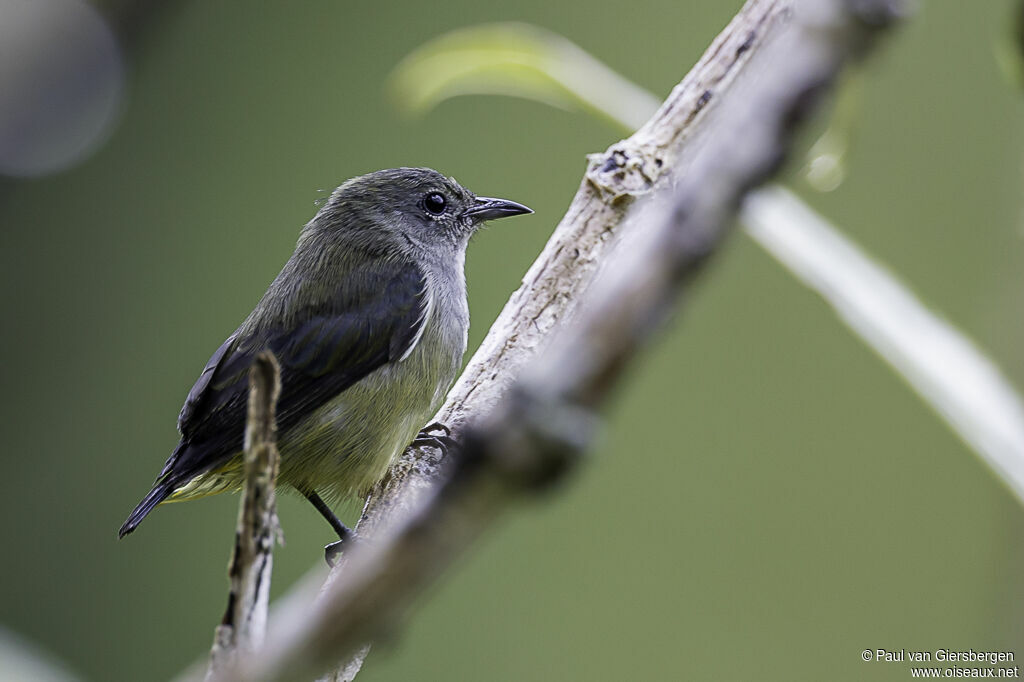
(375,317)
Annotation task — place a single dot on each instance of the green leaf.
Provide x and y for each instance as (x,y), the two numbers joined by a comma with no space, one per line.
(517,60)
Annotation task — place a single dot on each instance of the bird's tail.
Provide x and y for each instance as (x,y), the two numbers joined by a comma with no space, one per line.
(157,495)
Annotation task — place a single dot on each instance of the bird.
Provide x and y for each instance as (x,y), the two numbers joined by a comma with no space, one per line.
(368,320)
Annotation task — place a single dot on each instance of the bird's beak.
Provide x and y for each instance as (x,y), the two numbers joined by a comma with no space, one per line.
(487,208)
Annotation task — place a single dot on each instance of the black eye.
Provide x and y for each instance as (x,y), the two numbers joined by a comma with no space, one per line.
(435,203)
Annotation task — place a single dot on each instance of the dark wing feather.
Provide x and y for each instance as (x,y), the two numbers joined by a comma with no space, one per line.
(374,318)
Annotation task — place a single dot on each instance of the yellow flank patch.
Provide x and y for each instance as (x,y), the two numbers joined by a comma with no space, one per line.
(226,478)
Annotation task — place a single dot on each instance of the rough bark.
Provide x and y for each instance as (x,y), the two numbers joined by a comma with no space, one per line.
(243,626)
(531,396)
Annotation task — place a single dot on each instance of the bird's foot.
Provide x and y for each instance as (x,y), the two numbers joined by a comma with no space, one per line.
(430,429)
(334,549)
(436,435)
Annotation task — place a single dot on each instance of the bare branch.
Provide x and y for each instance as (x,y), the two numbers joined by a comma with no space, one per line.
(535,428)
(555,283)
(244,624)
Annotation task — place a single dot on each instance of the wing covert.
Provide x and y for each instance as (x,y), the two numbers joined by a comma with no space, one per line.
(376,316)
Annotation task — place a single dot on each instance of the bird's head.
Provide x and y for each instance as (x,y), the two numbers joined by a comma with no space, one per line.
(417,206)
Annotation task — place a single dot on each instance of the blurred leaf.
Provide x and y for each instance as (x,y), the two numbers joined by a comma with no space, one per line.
(825,168)
(517,60)
(1008,50)
(23,661)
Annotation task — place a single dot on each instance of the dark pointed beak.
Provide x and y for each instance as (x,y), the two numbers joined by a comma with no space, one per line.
(487,208)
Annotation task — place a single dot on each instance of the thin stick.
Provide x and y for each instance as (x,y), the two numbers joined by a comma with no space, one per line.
(245,619)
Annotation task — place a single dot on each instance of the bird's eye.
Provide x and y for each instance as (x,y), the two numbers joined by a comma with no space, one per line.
(435,203)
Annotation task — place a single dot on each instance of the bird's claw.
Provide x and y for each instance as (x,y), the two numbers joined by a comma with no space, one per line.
(429,429)
(443,443)
(334,549)
(430,437)
(332,552)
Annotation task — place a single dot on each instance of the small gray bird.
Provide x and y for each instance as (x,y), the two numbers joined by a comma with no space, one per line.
(368,320)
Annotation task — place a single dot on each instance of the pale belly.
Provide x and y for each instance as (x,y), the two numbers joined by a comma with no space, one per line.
(348,444)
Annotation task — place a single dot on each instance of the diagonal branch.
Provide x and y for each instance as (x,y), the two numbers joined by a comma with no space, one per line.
(556,282)
(536,427)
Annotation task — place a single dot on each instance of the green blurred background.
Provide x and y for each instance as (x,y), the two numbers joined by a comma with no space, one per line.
(768,500)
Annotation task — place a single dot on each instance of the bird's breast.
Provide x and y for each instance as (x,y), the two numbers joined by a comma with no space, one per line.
(347,445)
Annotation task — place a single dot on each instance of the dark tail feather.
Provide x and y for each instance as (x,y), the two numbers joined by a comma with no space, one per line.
(157,495)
